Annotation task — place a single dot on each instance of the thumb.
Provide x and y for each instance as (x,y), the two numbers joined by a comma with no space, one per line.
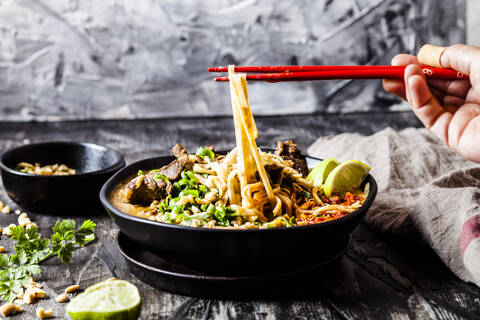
(465,59)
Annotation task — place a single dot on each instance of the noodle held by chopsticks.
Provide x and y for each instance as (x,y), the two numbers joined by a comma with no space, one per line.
(246,135)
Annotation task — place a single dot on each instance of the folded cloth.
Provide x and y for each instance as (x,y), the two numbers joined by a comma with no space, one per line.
(426,191)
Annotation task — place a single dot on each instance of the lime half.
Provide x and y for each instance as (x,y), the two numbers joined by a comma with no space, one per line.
(320,172)
(107,300)
(347,176)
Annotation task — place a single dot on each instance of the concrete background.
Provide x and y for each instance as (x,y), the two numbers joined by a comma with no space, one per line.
(473,22)
(114,59)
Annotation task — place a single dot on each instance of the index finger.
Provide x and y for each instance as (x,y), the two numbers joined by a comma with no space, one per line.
(397,87)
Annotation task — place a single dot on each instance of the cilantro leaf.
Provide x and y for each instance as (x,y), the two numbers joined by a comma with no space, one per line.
(32,249)
(85,233)
(66,237)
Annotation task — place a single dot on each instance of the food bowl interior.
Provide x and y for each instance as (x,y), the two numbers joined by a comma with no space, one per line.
(83,157)
(232,250)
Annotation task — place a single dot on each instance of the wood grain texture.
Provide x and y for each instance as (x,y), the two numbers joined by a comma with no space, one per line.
(377,278)
(90,59)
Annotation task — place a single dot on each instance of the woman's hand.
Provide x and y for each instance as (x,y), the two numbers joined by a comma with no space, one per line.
(450,109)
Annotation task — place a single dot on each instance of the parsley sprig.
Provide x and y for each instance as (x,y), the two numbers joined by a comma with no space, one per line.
(31,250)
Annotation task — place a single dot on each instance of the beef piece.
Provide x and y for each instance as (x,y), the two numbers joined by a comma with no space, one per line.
(288,150)
(184,161)
(173,170)
(179,151)
(183,157)
(145,188)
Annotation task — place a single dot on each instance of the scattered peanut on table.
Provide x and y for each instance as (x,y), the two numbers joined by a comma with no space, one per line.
(2,249)
(63,298)
(71,289)
(43,314)
(33,292)
(6,230)
(24,220)
(6,209)
(9,309)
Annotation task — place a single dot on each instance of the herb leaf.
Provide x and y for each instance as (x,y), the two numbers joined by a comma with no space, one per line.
(31,250)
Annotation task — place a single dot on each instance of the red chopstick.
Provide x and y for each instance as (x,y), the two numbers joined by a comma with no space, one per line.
(306,73)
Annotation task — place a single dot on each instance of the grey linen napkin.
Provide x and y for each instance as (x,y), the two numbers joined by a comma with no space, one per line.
(426,191)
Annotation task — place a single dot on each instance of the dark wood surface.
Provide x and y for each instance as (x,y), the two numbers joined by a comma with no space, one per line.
(376,278)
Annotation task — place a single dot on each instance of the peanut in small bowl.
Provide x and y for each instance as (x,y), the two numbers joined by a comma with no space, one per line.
(64,193)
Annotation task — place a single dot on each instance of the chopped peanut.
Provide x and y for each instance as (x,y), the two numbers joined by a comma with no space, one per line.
(33,224)
(2,249)
(53,169)
(6,209)
(17,212)
(73,288)
(10,308)
(24,220)
(33,292)
(62,298)
(7,231)
(18,301)
(43,314)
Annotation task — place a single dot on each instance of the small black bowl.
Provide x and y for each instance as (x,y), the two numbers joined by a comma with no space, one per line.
(59,195)
(234,251)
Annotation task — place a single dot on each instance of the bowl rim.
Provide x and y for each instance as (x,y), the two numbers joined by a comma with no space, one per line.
(115,166)
(373,188)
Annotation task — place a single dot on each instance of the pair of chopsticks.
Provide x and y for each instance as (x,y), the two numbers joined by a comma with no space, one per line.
(305,73)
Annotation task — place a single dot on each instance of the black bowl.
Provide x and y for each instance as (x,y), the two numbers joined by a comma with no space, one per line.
(234,251)
(59,194)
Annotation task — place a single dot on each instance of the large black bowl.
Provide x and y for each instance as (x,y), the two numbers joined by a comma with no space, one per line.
(230,251)
(60,194)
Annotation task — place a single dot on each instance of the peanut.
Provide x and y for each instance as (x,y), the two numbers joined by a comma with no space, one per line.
(73,288)
(6,209)
(2,249)
(6,231)
(10,308)
(62,298)
(24,220)
(43,314)
(33,292)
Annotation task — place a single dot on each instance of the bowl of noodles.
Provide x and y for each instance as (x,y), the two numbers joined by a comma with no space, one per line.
(246,210)
(210,233)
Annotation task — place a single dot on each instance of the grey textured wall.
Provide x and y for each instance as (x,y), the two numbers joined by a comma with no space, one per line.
(102,59)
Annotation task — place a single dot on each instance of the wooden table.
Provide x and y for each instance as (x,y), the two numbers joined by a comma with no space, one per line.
(376,279)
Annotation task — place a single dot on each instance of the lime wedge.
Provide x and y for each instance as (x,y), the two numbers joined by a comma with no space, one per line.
(320,172)
(107,300)
(348,176)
